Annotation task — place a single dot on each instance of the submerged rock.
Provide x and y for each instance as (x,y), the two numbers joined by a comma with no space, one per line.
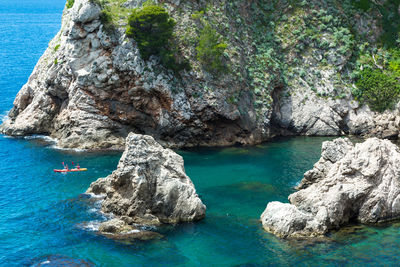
(359,183)
(58,260)
(149,187)
(121,230)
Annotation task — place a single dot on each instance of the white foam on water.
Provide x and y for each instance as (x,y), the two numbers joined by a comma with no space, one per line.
(93,210)
(96,206)
(78,150)
(4,116)
(92,226)
(134,231)
(100,196)
(45,262)
(53,141)
(42,137)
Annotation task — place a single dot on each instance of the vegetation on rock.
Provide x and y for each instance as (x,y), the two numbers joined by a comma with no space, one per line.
(70,3)
(264,45)
(210,50)
(152,28)
(113,12)
(378,89)
(378,80)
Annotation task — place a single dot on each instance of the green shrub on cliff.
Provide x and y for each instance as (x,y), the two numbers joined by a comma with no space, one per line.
(70,3)
(394,62)
(378,82)
(210,50)
(378,89)
(151,27)
(388,15)
(362,4)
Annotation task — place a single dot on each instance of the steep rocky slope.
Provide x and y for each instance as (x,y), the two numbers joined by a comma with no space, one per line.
(350,183)
(285,74)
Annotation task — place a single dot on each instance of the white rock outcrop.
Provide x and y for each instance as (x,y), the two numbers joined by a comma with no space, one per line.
(149,187)
(350,183)
(302,112)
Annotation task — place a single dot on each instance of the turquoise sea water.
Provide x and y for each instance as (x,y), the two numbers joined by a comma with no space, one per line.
(44,218)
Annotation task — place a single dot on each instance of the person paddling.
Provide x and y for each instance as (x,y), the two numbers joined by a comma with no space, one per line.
(77,165)
(65,166)
(66,169)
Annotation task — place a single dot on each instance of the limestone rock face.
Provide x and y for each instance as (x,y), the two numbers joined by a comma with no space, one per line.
(304,113)
(318,100)
(358,182)
(149,187)
(91,88)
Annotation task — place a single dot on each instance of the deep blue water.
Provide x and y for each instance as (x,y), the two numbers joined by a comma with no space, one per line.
(45,218)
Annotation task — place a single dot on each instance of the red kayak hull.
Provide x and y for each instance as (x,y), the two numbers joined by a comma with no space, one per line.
(71,170)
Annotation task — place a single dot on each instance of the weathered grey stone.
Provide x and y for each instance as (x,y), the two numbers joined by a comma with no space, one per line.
(115,226)
(149,187)
(349,183)
(331,153)
(96,88)
(85,11)
(92,26)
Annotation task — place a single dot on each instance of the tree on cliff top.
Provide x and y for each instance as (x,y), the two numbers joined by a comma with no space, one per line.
(151,27)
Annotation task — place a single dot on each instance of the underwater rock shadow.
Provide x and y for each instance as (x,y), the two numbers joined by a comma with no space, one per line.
(59,261)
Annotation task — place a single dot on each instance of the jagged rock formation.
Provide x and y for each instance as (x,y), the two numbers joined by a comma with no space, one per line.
(358,183)
(91,86)
(149,187)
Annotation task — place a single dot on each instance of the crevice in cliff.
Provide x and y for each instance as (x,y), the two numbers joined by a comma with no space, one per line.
(276,115)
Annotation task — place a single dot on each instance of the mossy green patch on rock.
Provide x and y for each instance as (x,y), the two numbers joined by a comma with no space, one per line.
(114,12)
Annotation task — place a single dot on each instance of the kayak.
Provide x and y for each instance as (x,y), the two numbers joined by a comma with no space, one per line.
(71,170)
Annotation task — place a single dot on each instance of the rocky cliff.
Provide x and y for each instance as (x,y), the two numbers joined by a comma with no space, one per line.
(350,183)
(148,188)
(285,74)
